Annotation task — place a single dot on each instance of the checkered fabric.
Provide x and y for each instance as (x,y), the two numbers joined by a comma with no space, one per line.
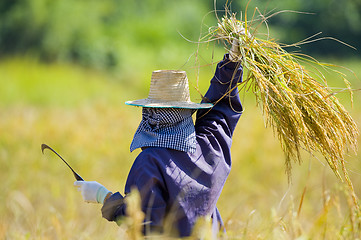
(166,127)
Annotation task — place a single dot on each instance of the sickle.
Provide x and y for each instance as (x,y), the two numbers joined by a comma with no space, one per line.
(77,176)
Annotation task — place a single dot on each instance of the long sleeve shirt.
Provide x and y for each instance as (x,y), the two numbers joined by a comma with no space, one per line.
(178,187)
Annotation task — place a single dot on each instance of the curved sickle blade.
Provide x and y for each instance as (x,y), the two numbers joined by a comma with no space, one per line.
(77,176)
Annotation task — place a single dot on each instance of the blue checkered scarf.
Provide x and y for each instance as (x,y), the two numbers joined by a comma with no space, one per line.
(166,127)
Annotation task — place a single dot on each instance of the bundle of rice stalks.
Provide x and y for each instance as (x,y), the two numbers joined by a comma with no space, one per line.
(304,112)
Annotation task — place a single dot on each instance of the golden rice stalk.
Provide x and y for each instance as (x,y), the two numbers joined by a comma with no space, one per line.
(303,112)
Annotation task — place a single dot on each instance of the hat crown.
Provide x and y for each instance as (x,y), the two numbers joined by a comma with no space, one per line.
(169,86)
(169,89)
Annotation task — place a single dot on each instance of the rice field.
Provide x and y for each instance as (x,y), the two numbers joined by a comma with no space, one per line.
(82,115)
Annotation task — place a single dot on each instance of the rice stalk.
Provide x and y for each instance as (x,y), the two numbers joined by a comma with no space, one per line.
(135,216)
(303,111)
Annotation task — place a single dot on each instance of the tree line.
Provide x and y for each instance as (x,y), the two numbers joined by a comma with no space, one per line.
(97,33)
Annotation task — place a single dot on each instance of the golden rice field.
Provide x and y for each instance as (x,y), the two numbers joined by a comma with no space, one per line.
(82,115)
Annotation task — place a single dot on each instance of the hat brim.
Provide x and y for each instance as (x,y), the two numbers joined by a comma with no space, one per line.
(159,104)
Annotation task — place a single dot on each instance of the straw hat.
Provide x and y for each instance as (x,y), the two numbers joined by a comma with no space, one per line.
(169,89)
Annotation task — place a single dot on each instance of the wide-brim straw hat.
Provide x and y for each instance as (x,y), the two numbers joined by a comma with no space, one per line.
(169,89)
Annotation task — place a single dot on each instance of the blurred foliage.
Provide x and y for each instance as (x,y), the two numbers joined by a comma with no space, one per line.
(103,34)
(95,33)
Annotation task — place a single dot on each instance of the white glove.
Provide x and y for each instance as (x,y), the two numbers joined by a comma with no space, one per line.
(235,52)
(92,192)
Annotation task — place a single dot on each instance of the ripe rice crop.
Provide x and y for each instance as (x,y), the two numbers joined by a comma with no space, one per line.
(302,110)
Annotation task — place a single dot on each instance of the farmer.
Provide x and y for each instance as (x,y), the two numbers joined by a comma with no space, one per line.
(183,166)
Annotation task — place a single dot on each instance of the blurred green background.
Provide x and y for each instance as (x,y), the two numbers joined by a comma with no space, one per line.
(68,66)
(111,33)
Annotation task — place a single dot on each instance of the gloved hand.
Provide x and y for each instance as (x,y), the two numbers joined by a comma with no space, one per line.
(235,53)
(92,192)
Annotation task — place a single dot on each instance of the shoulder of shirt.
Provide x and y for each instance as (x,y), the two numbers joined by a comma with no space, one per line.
(156,156)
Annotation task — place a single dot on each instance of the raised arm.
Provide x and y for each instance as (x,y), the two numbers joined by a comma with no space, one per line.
(223,93)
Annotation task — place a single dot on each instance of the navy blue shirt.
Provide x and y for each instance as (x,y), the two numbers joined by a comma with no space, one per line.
(178,187)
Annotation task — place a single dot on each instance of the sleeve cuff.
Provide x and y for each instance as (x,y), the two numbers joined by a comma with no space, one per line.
(229,64)
(113,206)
